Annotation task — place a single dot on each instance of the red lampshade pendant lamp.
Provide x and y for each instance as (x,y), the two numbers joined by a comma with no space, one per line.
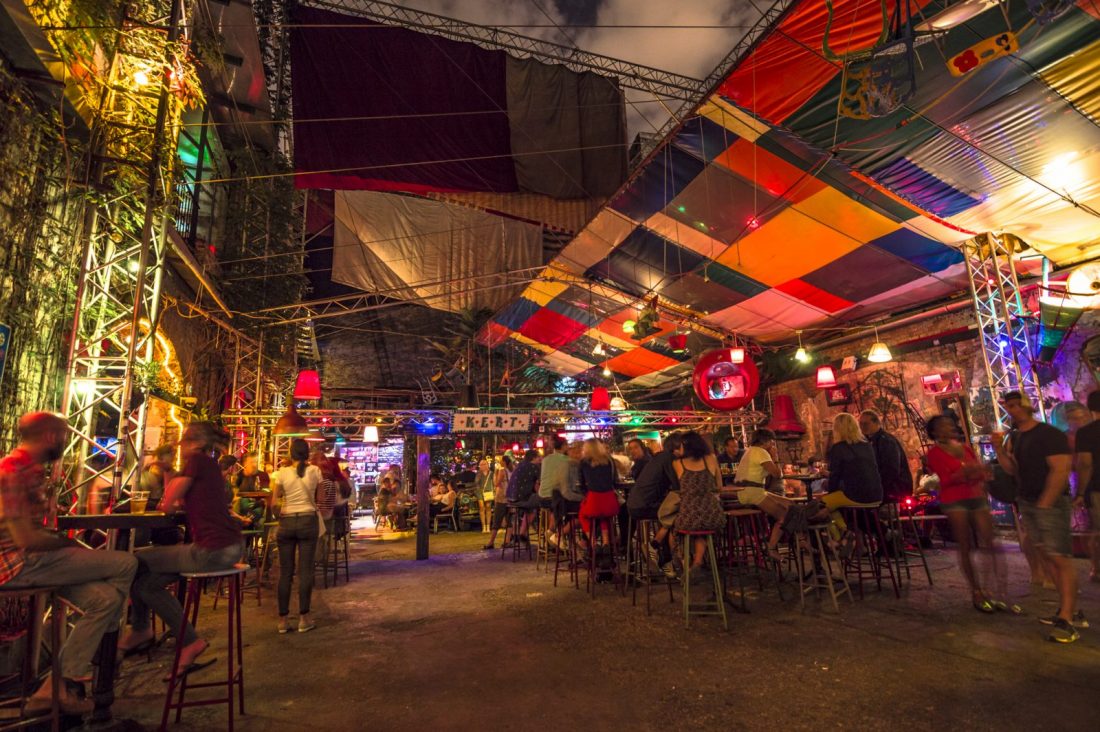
(826,377)
(308,386)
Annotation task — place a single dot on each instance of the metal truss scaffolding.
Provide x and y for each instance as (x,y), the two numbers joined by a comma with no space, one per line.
(124,238)
(350,422)
(1002,319)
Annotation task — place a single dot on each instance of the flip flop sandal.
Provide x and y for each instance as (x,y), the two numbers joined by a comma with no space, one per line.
(191,668)
(1004,607)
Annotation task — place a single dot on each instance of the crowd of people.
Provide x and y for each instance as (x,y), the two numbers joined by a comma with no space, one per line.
(679,484)
(219,502)
(588,492)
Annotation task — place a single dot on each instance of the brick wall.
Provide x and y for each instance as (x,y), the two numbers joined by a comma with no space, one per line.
(894,389)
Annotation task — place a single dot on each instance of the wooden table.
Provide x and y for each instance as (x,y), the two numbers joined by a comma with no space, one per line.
(103,682)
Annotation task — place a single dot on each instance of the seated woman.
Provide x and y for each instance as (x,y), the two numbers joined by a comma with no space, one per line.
(445,501)
(597,480)
(200,489)
(751,477)
(700,509)
(853,473)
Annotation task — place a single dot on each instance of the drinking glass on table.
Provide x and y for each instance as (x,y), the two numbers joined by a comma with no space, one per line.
(138,501)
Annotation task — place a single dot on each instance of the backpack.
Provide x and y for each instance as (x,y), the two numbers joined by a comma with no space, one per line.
(1002,486)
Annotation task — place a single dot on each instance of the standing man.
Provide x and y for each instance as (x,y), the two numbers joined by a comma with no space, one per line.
(728,459)
(250,479)
(893,466)
(1087,465)
(1039,456)
(95,581)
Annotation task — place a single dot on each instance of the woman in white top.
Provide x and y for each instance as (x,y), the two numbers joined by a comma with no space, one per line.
(752,474)
(295,491)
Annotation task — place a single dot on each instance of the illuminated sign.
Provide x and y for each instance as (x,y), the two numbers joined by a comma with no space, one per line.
(491,422)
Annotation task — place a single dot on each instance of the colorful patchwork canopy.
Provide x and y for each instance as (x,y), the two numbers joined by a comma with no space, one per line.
(768,212)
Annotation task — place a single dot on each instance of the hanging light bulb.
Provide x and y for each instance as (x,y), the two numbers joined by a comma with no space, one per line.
(826,378)
(606,371)
(737,354)
(800,355)
(880,352)
(628,326)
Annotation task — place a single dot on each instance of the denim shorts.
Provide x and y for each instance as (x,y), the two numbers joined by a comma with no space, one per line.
(980,503)
(1049,527)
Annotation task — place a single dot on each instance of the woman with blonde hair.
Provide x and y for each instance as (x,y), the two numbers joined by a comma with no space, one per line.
(853,472)
(597,480)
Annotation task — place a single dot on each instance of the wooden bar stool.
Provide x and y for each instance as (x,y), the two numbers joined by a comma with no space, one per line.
(234,680)
(822,573)
(542,551)
(716,606)
(639,564)
(341,551)
(570,520)
(39,599)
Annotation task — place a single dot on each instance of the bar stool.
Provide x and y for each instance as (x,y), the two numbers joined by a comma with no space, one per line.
(542,551)
(269,553)
(822,569)
(719,604)
(746,537)
(515,516)
(570,520)
(639,564)
(593,554)
(904,553)
(251,554)
(39,598)
(870,555)
(341,530)
(235,651)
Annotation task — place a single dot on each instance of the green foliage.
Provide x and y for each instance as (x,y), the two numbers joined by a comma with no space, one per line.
(39,220)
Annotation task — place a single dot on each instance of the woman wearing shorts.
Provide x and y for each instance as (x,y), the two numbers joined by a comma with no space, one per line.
(963,500)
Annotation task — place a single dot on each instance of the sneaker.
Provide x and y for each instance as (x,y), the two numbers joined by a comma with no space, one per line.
(284,627)
(1062,632)
(1078,621)
(304,626)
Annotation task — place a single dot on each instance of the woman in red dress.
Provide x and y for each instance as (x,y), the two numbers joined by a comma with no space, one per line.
(963,499)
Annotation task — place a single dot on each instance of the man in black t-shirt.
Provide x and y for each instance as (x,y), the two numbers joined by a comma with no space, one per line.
(728,460)
(1039,456)
(1087,466)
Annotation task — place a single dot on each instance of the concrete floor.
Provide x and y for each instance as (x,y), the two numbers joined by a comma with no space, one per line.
(465,641)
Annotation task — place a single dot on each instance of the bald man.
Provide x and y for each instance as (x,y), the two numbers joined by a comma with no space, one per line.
(95,581)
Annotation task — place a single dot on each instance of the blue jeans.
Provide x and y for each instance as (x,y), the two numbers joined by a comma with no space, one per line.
(296,533)
(160,566)
(95,580)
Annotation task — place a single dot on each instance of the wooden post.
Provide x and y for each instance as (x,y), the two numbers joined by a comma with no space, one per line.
(423,480)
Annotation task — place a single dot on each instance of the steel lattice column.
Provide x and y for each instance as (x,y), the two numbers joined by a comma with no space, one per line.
(124,238)
(1001,318)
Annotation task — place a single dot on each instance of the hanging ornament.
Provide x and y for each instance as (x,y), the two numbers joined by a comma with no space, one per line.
(723,385)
